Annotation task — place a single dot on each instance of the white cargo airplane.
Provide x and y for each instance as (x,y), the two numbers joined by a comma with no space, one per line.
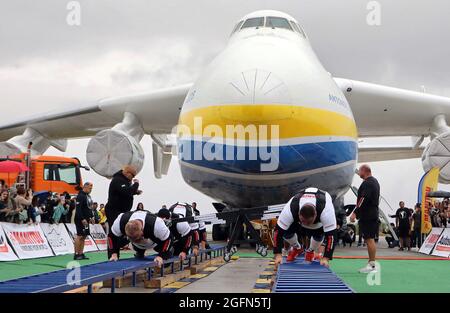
(268,74)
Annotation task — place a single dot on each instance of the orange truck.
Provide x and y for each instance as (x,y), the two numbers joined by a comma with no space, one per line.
(47,173)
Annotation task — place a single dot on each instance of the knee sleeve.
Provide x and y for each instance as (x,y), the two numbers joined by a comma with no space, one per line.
(292,239)
(316,241)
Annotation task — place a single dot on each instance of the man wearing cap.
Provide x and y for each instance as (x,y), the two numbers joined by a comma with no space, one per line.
(311,213)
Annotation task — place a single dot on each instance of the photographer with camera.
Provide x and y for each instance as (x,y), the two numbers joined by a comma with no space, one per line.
(83,216)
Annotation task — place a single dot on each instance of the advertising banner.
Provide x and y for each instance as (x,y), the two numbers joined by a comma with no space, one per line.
(99,236)
(89,244)
(442,247)
(431,240)
(6,252)
(428,183)
(59,239)
(28,241)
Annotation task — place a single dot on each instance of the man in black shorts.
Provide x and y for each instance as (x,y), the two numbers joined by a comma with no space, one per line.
(403,223)
(367,212)
(83,216)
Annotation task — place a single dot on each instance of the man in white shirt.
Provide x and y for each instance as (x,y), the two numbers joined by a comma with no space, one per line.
(145,231)
(183,209)
(311,213)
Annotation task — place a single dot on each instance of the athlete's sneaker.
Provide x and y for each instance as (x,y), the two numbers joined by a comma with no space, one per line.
(309,256)
(369,268)
(318,256)
(79,257)
(294,253)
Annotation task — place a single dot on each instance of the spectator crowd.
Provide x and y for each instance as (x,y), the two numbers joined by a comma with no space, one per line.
(20,206)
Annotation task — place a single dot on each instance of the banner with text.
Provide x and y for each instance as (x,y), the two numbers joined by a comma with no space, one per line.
(28,241)
(58,238)
(428,183)
(99,236)
(6,252)
(89,244)
(442,247)
(431,240)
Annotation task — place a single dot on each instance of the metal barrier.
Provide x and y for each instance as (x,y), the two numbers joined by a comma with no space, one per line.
(69,279)
(302,277)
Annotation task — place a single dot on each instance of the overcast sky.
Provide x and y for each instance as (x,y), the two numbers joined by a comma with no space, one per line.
(123,47)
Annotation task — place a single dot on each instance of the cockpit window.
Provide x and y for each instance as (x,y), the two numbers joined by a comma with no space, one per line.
(253,22)
(297,28)
(237,27)
(277,22)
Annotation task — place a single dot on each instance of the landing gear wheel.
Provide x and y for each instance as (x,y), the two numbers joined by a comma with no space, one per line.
(264,252)
(233,250)
(259,249)
(227,257)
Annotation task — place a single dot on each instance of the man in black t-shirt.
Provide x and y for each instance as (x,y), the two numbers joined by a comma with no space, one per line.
(366,212)
(83,216)
(403,222)
(417,223)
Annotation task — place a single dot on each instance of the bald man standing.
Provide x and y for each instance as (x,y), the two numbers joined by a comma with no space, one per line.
(367,213)
(122,189)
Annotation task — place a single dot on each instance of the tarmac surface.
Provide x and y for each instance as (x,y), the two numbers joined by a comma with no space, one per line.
(401,271)
(239,276)
(236,277)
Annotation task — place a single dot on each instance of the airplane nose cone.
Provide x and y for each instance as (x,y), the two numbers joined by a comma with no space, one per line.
(252,89)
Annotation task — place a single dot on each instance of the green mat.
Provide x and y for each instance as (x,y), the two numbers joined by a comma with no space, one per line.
(396,275)
(21,268)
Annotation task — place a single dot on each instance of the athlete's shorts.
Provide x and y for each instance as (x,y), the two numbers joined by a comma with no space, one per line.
(403,231)
(369,229)
(81,229)
(301,231)
(202,234)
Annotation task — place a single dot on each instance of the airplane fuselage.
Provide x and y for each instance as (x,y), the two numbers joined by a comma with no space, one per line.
(265,120)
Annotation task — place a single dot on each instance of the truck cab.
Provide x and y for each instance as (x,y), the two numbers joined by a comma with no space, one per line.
(48,173)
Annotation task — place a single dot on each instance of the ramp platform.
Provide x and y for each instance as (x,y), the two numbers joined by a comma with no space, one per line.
(69,279)
(302,277)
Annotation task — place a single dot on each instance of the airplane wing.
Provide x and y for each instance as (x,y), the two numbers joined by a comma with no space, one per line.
(158,111)
(386,111)
(375,153)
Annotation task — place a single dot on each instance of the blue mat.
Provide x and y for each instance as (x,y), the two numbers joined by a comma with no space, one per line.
(69,279)
(302,277)
(64,280)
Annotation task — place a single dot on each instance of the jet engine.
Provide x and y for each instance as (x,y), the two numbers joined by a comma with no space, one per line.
(437,154)
(109,150)
(40,143)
